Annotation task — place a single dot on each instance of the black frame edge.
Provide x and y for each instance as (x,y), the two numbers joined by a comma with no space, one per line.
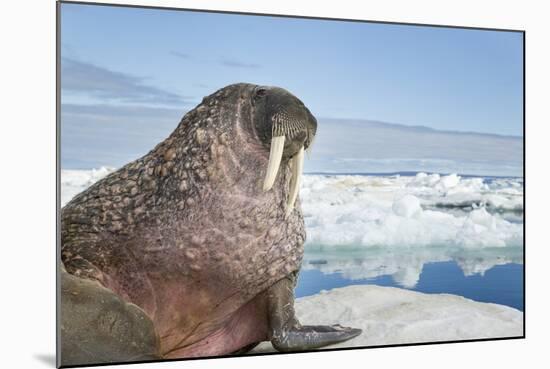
(235,12)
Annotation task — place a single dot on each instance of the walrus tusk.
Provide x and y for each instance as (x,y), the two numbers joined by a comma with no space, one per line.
(275,156)
(297,163)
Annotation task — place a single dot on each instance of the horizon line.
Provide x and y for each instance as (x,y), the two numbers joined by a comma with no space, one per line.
(420,126)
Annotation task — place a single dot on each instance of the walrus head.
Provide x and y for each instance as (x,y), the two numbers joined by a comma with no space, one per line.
(286,127)
(243,138)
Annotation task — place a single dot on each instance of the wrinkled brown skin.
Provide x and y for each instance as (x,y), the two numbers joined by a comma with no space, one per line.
(185,239)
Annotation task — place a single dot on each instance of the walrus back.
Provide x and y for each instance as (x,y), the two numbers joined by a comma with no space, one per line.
(104,211)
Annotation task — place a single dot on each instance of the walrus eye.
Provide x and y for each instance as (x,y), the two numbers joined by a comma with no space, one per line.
(261,92)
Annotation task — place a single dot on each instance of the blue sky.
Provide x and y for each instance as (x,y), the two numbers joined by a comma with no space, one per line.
(442,78)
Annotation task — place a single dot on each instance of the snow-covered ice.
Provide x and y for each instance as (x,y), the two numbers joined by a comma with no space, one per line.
(389,315)
(404,211)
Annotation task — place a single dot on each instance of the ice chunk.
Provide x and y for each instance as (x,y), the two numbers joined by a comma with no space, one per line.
(448,182)
(483,229)
(407,206)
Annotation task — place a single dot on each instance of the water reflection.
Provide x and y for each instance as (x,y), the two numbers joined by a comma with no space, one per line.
(405,265)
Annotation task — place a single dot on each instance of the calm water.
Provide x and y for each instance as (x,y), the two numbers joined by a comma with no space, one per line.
(501,284)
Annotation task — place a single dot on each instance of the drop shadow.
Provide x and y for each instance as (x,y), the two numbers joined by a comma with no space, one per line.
(48,359)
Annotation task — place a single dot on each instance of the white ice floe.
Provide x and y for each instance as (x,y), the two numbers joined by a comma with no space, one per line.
(405,211)
(389,315)
(406,206)
(503,194)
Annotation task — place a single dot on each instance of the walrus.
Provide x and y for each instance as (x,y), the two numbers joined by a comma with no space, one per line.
(193,250)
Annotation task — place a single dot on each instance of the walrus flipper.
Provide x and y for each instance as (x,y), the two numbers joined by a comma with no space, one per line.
(286,332)
(97,326)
